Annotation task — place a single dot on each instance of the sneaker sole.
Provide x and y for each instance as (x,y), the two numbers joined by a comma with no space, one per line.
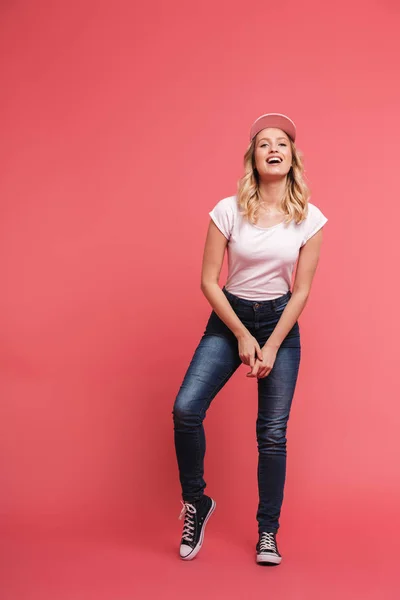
(199,544)
(268,560)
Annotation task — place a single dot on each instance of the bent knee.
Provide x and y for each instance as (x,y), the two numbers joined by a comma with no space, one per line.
(186,413)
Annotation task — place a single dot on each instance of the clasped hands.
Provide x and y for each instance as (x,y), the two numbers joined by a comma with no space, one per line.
(261,360)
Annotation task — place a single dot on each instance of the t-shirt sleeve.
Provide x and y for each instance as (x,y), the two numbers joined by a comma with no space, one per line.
(222,214)
(313,222)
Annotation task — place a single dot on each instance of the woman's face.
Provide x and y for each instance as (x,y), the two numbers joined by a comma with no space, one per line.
(272,142)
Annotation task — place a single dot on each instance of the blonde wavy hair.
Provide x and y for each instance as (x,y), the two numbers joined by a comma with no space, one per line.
(296,196)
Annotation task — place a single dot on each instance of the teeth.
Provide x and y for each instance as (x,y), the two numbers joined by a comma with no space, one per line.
(276,160)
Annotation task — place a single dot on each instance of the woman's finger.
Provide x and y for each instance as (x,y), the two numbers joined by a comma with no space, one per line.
(265,372)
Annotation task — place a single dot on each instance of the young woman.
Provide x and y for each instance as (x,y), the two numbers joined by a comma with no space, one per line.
(266,227)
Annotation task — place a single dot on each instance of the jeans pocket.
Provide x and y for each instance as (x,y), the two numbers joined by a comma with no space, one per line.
(215,326)
(280,308)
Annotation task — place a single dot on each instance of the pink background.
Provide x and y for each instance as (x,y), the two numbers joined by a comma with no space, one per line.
(122,125)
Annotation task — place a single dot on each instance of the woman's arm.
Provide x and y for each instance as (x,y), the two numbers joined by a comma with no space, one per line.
(306,267)
(213,258)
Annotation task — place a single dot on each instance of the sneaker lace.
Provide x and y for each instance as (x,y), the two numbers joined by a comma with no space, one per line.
(267,541)
(188,510)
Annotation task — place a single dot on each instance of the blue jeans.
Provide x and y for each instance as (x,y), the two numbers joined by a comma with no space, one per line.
(215,360)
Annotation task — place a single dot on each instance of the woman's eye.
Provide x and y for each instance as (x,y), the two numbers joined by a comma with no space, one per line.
(281,144)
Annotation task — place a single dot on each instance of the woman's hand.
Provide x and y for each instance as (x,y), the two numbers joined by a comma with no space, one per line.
(263,367)
(248,347)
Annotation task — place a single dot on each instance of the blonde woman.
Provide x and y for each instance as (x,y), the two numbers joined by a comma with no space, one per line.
(266,227)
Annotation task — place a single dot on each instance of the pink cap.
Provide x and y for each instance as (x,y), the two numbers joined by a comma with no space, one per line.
(274,120)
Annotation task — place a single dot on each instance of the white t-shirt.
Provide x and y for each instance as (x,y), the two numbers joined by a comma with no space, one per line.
(261,260)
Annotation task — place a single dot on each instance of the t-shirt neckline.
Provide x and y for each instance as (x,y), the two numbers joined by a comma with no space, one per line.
(267,228)
(257,226)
